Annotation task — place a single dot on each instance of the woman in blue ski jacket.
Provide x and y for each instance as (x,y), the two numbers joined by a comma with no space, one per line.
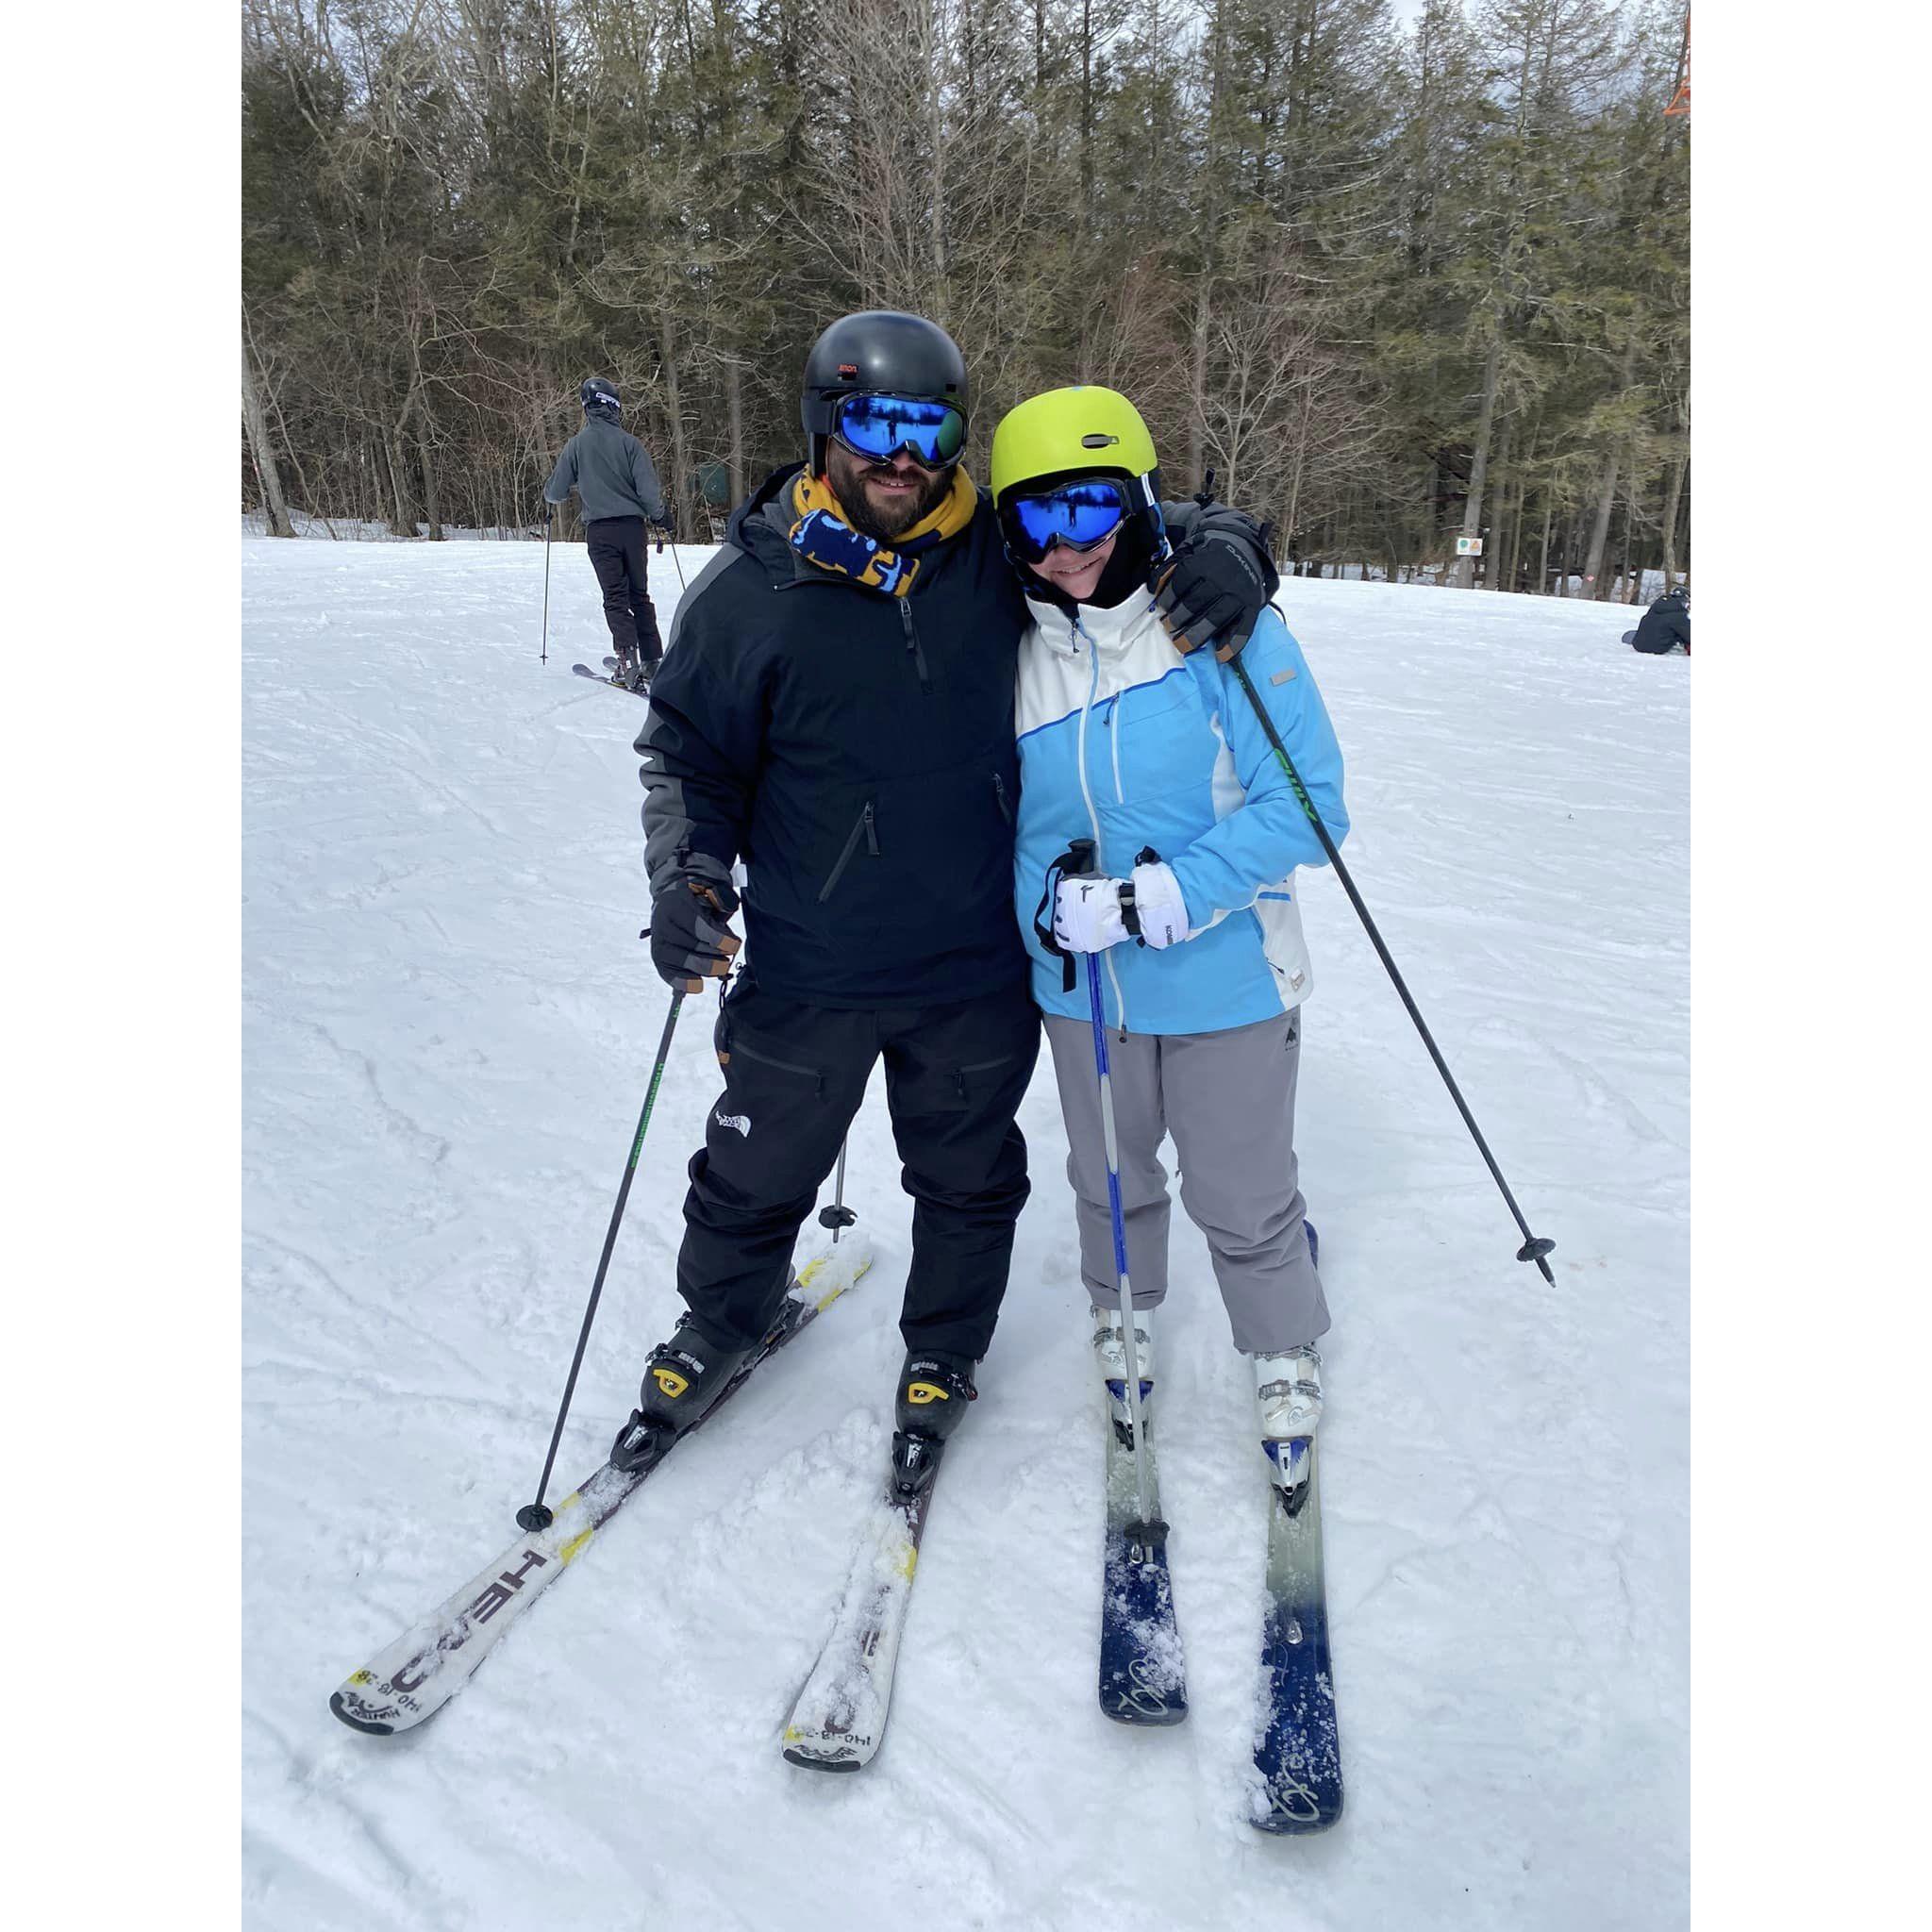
(1155,753)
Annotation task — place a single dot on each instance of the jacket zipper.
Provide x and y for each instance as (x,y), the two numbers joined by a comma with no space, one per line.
(1092,815)
(1113,734)
(864,826)
(914,645)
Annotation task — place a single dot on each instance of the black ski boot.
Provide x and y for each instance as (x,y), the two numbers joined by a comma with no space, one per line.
(683,1380)
(934,1390)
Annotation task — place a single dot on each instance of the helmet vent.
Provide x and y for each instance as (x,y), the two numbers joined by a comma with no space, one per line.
(1097,441)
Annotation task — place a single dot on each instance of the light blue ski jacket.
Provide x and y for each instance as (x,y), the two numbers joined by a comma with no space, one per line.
(1125,742)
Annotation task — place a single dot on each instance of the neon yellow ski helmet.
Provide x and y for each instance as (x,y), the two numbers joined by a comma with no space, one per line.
(1086,431)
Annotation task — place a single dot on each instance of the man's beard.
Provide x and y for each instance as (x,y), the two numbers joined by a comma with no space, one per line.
(847,473)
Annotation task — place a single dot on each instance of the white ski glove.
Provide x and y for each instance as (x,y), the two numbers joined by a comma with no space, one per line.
(1088,918)
(1087,914)
(1159,907)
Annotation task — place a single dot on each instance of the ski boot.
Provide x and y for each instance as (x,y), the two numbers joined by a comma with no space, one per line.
(1288,1397)
(683,1380)
(934,1390)
(1110,1359)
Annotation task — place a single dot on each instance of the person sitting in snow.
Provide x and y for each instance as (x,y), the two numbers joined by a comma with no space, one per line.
(1666,624)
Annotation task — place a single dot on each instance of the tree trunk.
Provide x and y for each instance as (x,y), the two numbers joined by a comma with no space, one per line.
(1593,583)
(936,133)
(1479,465)
(680,468)
(1600,530)
(254,427)
(402,521)
(1542,580)
(1491,558)
(1672,495)
(432,498)
(734,408)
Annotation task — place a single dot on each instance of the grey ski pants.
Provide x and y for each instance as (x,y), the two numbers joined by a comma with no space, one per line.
(1228,1101)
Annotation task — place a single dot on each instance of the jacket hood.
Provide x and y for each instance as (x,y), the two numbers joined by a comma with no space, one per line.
(760,525)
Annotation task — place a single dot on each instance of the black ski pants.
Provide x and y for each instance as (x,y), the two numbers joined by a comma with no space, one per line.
(794,1075)
(617,554)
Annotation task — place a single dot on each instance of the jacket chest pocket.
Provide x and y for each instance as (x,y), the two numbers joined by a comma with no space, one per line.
(1144,739)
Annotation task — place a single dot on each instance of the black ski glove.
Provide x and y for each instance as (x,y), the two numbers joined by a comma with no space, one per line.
(667,521)
(1217,583)
(689,940)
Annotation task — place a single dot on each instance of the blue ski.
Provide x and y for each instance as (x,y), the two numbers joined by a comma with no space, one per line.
(1144,1676)
(1298,1752)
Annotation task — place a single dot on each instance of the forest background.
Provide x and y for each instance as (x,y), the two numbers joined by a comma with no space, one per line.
(1396,278)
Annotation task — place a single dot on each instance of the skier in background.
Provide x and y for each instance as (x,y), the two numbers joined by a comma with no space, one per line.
(1193,925)
(1665,624)
(613,475)
(839,715)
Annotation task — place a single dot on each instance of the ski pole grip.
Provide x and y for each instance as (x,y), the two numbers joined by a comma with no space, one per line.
(1080,859)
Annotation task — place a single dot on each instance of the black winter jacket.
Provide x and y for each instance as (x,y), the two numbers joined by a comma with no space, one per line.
(856,750)
(1666,623)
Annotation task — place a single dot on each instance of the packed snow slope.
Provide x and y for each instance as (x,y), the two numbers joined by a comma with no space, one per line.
(449,1021)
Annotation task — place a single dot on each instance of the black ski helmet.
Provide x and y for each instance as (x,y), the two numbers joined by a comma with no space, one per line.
(880,350)
(599,397)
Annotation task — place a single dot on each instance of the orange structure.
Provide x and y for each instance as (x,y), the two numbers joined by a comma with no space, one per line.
(1680,101)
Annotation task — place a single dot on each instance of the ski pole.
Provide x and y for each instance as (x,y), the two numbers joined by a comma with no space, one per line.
(1533,1249)
(1142,1531)
(549,518)
(534,1516)
(838,1215)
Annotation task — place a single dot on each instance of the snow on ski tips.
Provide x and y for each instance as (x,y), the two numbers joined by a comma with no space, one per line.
(406,1684)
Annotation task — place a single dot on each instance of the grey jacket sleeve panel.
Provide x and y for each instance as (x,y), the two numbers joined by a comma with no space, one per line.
(563,478)
(644,481)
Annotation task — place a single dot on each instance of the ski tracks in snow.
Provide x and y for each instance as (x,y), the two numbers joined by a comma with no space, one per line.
(448,1024)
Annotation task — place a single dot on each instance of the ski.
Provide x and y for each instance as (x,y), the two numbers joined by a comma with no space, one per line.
(838,1720)
(600,677)
(409,1682)
(1298,1752)
(1144,1677)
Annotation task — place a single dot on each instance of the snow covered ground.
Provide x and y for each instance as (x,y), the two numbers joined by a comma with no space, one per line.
(449,1021)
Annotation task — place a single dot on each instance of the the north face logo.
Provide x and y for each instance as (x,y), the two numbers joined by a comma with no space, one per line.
(740,1121)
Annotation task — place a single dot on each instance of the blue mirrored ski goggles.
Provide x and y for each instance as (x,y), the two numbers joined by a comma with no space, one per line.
(1078,515)
(877,427)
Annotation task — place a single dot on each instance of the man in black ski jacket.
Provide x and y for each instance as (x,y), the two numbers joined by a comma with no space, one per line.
(835,711)
(613,475)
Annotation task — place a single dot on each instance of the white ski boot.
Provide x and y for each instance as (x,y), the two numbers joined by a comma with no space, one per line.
(1110,1359)
(1288,1400)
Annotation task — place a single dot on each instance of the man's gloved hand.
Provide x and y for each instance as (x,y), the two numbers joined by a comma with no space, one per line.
(667,521)
(549,512)
(1217,583)
(1087,913)
(689,940)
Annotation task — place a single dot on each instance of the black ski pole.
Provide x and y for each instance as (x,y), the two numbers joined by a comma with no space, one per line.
(838,1215)
(534,1516)
(1533,1248)
(549,518)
